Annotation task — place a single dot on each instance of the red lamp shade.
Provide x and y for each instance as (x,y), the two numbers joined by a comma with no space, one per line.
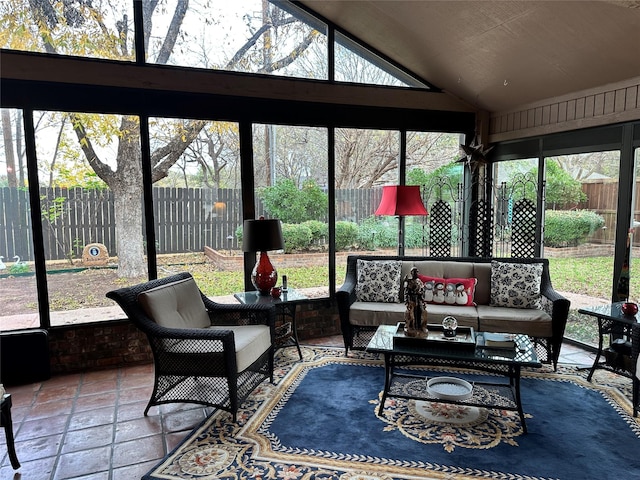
(259,236)
(401,200)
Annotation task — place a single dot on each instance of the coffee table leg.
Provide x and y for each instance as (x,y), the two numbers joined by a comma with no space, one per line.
(515,375)
(387,381)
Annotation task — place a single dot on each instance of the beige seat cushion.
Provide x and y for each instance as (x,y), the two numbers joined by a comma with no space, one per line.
(466,316)
(176,305)
(372,314)
(251,341)
(531,321)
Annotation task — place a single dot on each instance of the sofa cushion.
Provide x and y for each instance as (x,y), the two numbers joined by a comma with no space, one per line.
(372,314)
(378,281)
(176,305)
(515,285)
(482,271)
(466,316)
(531,321)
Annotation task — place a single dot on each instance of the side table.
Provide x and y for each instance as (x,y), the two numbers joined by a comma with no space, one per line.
(7,423)
(286,332)
(611,321)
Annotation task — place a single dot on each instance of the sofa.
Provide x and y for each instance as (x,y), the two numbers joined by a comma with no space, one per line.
(489,294)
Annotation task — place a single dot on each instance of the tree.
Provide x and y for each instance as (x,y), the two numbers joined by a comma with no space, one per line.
(54,26)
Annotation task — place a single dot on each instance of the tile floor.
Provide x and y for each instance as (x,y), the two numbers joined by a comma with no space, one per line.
(91,426)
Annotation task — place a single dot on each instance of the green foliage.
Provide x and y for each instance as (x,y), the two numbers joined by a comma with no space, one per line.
(318,229)
(562,191)
(19,267)
(346,235)
(415,235)
(565,228)
(287,202)
(297,237)
(374,233)
(443,181)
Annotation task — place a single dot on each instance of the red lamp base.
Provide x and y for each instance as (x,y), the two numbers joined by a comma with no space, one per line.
(264,276)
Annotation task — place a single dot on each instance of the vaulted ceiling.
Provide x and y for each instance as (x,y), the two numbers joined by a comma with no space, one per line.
(499,55)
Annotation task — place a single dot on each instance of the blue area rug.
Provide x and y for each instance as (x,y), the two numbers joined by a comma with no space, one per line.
(320,422)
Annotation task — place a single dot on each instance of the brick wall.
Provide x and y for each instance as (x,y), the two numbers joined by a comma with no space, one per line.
(96,346)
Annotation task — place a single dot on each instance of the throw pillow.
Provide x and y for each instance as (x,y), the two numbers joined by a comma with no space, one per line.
(433,289)
(515,285)
(460,291)
(378,280)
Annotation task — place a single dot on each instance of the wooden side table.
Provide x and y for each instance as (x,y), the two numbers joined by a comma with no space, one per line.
(5,420)
(286,332)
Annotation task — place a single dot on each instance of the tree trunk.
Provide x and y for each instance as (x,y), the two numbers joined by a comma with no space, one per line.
(8,148)
(129,237)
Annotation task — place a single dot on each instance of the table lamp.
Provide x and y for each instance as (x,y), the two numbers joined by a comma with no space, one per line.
(259,236)
(400,201)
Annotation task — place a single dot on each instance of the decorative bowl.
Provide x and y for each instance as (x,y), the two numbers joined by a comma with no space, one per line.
(449,388)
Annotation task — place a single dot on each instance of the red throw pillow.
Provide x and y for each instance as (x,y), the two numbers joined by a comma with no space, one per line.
(460,291)
(433,289)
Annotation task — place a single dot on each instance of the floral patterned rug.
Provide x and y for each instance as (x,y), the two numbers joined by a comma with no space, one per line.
(320,421)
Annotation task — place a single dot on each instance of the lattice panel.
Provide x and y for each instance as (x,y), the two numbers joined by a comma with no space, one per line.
(523,229)
(440,229)
(482,221)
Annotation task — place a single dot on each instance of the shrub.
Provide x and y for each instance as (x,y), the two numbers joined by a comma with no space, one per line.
(291,204)
(318,229)
(568,228)
(297,237)
(346,235)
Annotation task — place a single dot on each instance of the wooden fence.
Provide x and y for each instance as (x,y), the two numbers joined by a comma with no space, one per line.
(187,219)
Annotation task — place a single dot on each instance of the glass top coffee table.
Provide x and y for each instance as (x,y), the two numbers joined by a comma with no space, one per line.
(500,361)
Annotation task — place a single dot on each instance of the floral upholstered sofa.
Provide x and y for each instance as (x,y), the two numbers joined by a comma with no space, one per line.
(491,295)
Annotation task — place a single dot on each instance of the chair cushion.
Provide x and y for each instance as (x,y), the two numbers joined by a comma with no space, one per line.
(176,305)
(251,342)
(531,321)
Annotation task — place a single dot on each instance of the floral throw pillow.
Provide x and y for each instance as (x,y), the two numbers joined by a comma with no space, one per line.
(515,285)
(378,280)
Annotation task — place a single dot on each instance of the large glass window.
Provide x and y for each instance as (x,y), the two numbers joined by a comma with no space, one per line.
(432,163)
(579,233)
(18,293)
(96,29)
(252,36)
(197,202)
(290,178)
(91,199)
(356,64)
(365,161)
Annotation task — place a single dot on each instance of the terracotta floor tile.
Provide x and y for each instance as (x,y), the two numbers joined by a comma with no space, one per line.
(133,471)
(92,437)
(43,427)
(132,395)
(32,470)
(51,409)
(38,448)
(132,411)
(107,385)
(84,462)
(141,450)
(97,400)
(92,418)
(100,376)
(138,428)
(60,392)
(184,420)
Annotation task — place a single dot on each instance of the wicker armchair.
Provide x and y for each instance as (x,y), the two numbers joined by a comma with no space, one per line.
(204,352)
